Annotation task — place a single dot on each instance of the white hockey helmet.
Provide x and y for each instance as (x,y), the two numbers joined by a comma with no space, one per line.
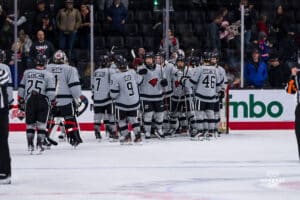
(60,57)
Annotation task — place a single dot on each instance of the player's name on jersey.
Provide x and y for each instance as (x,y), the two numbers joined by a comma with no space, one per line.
(99,74)
(36,75)
(56,70)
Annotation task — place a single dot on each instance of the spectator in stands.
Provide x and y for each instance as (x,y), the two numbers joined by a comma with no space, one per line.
(105,4)
(256,72)
(139,60)
(22,49)
(278,73)
(21,20)
(41,46)
(281,28)
(250,18)
(68,21)
(264,46)
(214,41)
(172,43)
(261,25)
(84,30)
(6,36)
(116,16)
(39,14)
(48,27)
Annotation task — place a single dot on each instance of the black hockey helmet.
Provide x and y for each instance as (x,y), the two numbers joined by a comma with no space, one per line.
(194,60)
(40,60)
(215,54)
(149,54)
(103,61)
(2,56)
(162,53)
(180,58)
(121,63)
(206,56)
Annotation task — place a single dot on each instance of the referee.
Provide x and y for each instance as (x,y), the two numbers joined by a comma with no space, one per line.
(5,101)
(293,88)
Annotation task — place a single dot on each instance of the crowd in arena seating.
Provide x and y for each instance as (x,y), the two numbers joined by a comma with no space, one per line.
(272,33)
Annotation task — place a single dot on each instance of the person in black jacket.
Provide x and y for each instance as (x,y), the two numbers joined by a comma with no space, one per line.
(278,73)
(41,46)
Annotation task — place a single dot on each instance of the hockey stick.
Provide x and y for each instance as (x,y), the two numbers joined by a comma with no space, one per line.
(132,54)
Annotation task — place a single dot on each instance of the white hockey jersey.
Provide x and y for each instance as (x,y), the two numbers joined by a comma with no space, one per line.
(66,82)
(207,83)
(124,90)
(40,81)
(150,88)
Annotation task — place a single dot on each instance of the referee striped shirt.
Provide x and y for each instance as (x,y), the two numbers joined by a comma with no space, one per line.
(4,79)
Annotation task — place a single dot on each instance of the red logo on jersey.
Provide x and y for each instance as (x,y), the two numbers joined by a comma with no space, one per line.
(153,82)
(177,83)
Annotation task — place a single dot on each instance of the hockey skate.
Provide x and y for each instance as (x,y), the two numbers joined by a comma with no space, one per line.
(138,139)
(30,148)
(170,133)
(196,135)
(159,133)
(39,144)
(46,144)
(30,145)
(147,136)
(113,136)
(5,179)
(125,139)
(98,136)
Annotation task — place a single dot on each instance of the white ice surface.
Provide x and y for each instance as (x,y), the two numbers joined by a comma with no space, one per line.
(239,166)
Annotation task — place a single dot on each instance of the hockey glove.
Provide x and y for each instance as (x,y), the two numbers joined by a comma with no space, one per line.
(53,107)
(221,95)
(21,104)
(143,71)
(183,80)
(164,83)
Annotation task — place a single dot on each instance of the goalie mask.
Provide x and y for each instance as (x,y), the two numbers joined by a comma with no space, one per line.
(60,57)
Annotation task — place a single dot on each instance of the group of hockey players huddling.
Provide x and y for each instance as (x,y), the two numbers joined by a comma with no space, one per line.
(157,99)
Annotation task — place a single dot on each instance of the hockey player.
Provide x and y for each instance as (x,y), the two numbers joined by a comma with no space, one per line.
(206,85)
(151,94)
(36,91)
(182,100)
(223,86)
(124,91)
(168,71)
(5,103)
(69,98)
(103,107)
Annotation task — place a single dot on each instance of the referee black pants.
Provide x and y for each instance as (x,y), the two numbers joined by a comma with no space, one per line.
(5,167)
(297,127)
